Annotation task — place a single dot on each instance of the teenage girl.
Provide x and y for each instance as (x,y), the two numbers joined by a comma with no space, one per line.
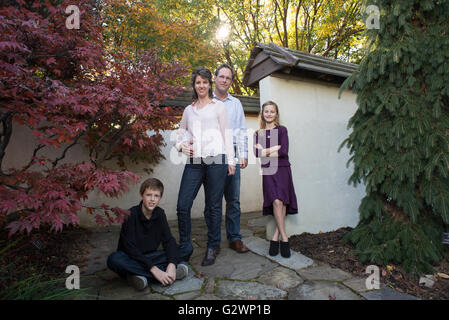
(271,145)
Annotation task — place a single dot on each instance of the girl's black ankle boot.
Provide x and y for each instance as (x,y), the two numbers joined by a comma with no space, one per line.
(285,249)
(274,248)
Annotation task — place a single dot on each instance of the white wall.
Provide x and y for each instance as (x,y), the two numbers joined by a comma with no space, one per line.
(169,172)
(316,121)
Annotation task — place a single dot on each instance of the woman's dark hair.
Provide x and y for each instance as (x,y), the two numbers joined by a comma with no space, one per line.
(205,73)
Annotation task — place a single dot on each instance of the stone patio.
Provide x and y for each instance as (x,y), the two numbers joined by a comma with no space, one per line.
(249,276)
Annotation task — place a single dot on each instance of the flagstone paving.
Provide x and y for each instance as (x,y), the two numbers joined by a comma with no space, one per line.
(281,278)
(243,276)
(237,290)
(387,294)
(324,272)
(322,290)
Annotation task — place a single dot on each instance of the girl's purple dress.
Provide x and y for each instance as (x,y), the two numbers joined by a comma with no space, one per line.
(277,179)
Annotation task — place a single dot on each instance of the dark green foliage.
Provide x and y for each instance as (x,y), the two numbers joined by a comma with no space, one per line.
(36,286)
(386,240)
(400,135)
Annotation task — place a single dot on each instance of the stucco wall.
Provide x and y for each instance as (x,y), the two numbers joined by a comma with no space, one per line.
(169,171)
(316,120)
(317,124)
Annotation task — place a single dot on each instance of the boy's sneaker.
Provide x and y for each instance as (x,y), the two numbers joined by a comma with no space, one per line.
(181,271)
(138,282)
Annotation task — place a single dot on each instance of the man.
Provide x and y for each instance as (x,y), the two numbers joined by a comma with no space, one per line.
(224,75)
(137,257)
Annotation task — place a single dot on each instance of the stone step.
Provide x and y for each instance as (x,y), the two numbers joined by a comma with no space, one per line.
(261,246)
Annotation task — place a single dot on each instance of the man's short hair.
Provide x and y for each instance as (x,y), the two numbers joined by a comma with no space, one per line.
(224,65)
(152,183)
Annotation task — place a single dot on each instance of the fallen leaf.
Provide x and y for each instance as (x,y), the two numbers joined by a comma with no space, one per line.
(397,276)
(384,273)
(390,268)
(443,275)
(332,251)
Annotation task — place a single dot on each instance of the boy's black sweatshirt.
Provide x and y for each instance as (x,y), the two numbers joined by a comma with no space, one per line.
(140,235)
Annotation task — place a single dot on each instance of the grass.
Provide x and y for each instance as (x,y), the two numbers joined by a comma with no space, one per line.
(20,279)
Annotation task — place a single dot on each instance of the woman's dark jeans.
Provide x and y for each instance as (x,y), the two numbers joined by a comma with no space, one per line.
(212,173)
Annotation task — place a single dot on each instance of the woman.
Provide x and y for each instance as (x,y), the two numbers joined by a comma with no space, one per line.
(271,143)
(205,138)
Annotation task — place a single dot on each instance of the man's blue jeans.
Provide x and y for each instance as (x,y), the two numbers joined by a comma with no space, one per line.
(123,265)
(233,212)
(211,172)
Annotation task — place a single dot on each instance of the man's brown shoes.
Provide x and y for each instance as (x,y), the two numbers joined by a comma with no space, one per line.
(238,246)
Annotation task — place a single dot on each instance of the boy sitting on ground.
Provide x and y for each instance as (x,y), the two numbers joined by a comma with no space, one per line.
(137,257)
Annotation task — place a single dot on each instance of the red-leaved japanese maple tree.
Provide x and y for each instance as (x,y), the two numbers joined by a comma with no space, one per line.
(65,86)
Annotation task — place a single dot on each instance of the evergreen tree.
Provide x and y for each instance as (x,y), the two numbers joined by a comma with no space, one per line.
(399,143)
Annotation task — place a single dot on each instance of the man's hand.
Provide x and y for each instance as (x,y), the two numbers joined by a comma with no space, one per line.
(171,270)
(187,148)
(231,170)
(243,163)
(161,276)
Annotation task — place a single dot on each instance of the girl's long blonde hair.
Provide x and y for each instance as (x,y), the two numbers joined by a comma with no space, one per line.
(262,122)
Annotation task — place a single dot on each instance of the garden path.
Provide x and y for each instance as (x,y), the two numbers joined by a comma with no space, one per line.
(249,276)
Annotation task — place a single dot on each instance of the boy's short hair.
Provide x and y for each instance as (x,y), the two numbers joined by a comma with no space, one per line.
(152,183)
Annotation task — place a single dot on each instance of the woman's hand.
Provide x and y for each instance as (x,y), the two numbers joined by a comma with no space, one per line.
(187,148)
(231,170)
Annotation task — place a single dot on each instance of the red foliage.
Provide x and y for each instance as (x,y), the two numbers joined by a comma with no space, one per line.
(63,85)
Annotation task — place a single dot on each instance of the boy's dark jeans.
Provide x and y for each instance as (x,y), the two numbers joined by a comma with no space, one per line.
(211,172)
(123,265)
